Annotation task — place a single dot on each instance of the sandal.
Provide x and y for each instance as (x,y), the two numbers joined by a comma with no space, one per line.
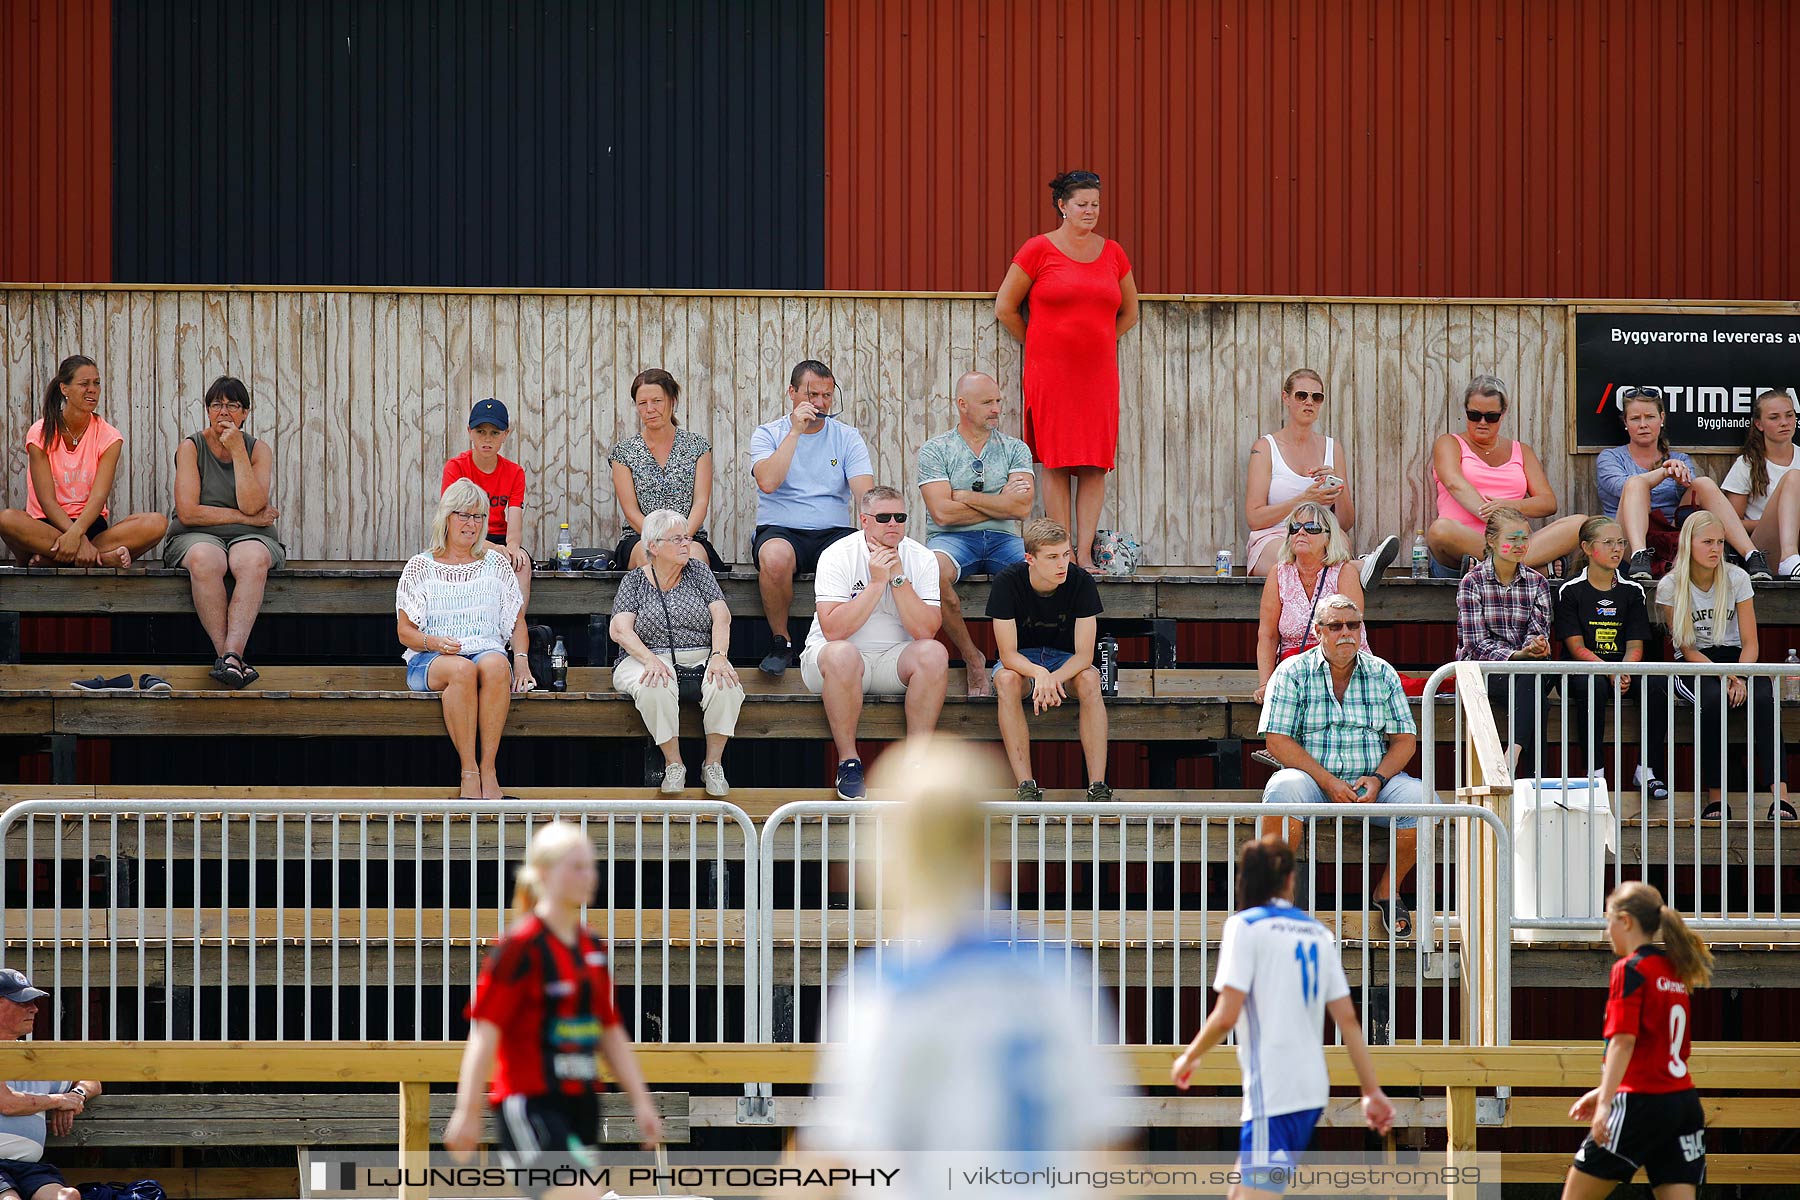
(1395,918)
(1714,811)
(240,671)
(251,674)
(1655,790)
(227,674)
(1781,810)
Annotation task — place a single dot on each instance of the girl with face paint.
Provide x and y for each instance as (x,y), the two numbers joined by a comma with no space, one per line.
(1503,614)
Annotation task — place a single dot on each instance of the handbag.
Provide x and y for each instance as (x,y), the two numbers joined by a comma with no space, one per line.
(687,679)
(1116,552)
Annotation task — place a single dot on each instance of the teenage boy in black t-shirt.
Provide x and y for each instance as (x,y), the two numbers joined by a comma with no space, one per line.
(1045,614)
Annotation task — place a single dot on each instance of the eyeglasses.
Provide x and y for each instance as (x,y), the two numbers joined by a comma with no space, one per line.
(1644,393)
(884,518)
(1492,418)
(676,539)
(469,516)
(1312,527)
(1309,397)
(1350,626)
(230,406)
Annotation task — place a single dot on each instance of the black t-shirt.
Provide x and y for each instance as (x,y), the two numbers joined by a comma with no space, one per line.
(1043,621)
(1604,621)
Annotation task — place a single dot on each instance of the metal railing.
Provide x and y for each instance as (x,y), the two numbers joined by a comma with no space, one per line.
(180,913)
(1723,875)
(1133,896)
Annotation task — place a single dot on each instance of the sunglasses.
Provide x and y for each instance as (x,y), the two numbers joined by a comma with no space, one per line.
(979,485)
(884,518)
(1336,626)
(1492,418)
(1308,397)
(1312,527)
(1641,393)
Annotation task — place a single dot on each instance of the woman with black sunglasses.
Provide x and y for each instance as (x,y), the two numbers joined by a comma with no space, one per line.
(1311,567)
(1478,472)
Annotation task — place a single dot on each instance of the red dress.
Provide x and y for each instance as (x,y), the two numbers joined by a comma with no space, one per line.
(1072,354)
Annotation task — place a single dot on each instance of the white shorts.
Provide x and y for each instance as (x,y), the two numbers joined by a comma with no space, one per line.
(881,671)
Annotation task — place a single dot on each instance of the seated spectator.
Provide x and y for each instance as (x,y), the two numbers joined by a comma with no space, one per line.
(662,466)
(1503,615)
(1759,486)
(875,630)
(457,608)
(810,471)
(978,485)
(1298,465)
(1478,471)
(1653,489)
(32,1110)
(1046,620)
(501,480)
(224,524)
(73,460)
(1337,721)
(670,613)
(1311,565)
(1708,607)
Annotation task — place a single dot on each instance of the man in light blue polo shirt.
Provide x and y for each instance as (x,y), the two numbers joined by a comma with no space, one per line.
(39,1108)
(978,485)
(810,472)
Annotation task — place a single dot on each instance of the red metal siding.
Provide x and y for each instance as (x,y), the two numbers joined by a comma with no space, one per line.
(56,141)
(1324,147)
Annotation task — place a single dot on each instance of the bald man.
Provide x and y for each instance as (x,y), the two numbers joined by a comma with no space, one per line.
(978,485)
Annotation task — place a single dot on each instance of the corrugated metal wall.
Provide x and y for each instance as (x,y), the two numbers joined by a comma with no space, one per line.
(1324,147)
(56,140)
(671,143)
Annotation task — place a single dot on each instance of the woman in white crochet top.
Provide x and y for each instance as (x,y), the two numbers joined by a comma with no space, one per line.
(457,608)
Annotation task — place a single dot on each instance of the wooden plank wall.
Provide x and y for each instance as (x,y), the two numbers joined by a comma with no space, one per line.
(363,395)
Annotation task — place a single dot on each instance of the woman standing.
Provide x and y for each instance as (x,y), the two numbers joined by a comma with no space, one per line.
(224,524)
(1082,299)
(1645,1113)
(662,466)
(543,1010)
(73,458)
(1503,614)
(1311,567)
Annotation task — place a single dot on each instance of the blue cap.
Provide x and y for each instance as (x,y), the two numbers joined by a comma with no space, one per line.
(488,412)
(15,987)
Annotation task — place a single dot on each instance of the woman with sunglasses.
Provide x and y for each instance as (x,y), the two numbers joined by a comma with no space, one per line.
(1083,298)
(1764,488)
(1652,489)
(1311,567)
(1503,614)
(456,609)
(1477,472)
(224,524)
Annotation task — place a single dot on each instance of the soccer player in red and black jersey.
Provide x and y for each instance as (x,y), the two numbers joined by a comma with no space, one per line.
(1645,1113)
(542,1012)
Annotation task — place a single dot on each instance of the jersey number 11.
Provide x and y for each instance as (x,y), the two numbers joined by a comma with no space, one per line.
(1308,958)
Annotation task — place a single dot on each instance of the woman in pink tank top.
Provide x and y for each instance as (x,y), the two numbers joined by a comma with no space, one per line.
(1478,471)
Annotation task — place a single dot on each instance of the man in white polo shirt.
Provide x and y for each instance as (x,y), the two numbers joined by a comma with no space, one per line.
(875,629)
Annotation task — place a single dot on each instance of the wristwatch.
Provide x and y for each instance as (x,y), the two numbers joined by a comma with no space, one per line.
(1380,776)
(898,581)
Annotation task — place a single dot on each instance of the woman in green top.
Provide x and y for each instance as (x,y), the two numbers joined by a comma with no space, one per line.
(224,523)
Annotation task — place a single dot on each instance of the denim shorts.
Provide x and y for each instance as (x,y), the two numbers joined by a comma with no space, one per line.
(978,551)
(1046,657)
(418,670)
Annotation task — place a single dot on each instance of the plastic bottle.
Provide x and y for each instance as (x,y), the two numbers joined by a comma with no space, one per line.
(1790,683)
(1421,557)
(565,549)
(559,666)
(1109,665)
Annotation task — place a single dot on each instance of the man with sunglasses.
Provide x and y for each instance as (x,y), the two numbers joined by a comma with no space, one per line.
(875,630)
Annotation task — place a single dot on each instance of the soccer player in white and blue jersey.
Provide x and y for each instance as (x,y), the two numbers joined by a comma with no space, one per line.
(1278,977)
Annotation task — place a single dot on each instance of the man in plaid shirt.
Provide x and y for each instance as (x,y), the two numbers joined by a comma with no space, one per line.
(1338,722)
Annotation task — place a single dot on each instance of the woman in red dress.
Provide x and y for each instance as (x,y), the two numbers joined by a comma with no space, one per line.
(1082,299)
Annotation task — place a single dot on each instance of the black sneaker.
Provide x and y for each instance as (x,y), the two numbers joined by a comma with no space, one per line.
(1099,793)
(850,779)
(100,683)
(153,683)
(1377,561)
(1758,566)
(1029,792)
(1639,568)
(779,659)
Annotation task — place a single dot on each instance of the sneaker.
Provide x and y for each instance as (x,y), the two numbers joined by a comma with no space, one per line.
(712,776)
(153,683)
(1758,566)
(779,659)
(1640,568)
(1376,562)
(1099,793)
(850,780)
(674,779)
(1029,792)
(1790,567)
(100,683)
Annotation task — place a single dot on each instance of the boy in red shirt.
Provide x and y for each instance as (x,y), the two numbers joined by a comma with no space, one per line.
(501,478)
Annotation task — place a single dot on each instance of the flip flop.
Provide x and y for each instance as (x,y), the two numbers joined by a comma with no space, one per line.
(1714,811)
(1395,918)
(1781,810)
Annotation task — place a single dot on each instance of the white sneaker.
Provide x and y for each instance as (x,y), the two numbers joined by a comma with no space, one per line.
(713,776)
(674,779)
(1789,568)
(1378,560)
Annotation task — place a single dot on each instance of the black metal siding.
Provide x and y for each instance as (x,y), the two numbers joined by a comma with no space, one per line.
(463,143)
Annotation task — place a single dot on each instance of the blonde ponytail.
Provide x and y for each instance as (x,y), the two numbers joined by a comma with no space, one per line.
(525,885)
(1644,904)
(548,845)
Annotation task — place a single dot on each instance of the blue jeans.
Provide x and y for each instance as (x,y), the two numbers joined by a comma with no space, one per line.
(1291,786)
(1044,656)
(979,551)
(418,668)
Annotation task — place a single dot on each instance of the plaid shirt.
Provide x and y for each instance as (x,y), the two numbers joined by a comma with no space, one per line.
(1349,737)
(1494,620)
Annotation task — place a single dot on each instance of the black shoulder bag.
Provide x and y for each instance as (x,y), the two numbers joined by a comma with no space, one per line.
(687,679)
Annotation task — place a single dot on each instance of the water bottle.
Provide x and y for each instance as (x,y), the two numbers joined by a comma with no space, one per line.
(565,549)
(1790,683)
(1109,665)
(559,665)
(1421,557)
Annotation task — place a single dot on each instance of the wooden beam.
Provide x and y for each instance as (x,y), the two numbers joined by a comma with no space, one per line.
(415,1135)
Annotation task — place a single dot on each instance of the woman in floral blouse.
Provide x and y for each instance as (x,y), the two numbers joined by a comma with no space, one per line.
(662,466)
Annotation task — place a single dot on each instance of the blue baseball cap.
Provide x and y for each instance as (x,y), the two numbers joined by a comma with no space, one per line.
(488,412)
(15,987)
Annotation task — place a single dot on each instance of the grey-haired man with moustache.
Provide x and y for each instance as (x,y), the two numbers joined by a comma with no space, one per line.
(32,1110)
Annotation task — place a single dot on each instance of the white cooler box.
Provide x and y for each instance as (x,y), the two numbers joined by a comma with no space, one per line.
(1562,836)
